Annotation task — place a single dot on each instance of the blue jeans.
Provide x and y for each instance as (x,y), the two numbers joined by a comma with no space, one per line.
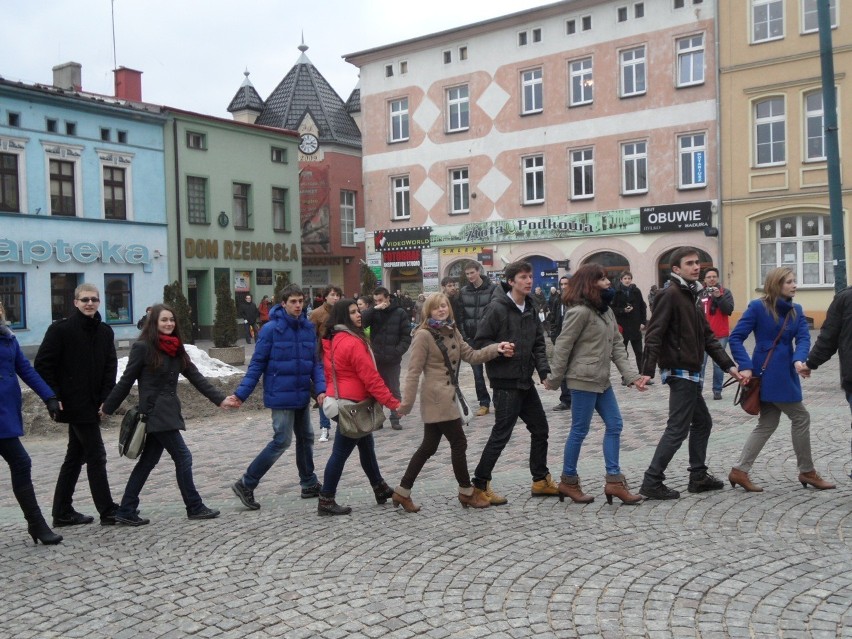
(340,451)
(325,422)
(155,443)
(482,395)
(718,373)
(20,465)
(583,405)
(286,424)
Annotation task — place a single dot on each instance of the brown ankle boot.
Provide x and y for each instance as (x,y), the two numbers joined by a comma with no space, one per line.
(740,477)
(616,486)
(475,498)
(814,480)
(570,487)
(402,497)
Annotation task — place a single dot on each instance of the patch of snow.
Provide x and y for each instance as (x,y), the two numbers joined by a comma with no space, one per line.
(208,366)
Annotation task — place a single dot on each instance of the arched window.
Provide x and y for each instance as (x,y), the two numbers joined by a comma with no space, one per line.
(800,242)
(613,263)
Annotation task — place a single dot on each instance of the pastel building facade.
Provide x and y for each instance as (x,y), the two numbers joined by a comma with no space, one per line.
(579,131)
(82,200)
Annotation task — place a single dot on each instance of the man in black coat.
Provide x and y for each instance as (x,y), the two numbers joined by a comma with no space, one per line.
(390,337)
(511,317)
(835,336)
(77,359)
(557,314)
(475,297)
(249,314)
(450,288)
(631,314)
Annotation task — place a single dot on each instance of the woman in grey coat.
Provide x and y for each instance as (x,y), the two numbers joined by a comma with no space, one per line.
(156,360)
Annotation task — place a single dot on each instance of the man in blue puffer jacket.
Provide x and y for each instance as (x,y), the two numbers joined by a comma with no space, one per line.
(286,355)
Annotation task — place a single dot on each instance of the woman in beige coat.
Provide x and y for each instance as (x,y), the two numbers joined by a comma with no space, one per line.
(587,346)
(437,397)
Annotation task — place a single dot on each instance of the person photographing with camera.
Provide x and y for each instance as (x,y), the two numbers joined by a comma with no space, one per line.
(718,304)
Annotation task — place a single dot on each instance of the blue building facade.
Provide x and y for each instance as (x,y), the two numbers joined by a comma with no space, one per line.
(82,199)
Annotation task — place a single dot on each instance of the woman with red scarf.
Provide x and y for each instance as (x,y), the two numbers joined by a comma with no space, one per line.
(157,358)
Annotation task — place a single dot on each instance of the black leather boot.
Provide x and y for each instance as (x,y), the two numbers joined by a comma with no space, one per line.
(383,492)
(37,526)
(328,507)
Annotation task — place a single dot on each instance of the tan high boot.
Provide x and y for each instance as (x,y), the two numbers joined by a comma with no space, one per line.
(472,497)
(815,480)
(544,487)
(402,497)
(495,499)
(616,486)
(570,487)
(740,477)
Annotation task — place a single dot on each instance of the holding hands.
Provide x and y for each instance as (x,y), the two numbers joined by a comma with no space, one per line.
(506,349)
(231,401)
(802,369)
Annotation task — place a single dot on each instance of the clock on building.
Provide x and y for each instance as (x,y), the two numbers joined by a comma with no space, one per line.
(309,144)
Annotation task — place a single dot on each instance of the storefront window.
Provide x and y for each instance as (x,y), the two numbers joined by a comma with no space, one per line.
(800,242)
(118,294)
(62,287)
(12,296)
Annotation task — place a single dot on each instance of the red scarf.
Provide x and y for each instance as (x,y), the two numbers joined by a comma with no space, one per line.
(169,344)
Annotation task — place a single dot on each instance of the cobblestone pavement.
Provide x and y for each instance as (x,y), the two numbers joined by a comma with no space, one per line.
(713,565)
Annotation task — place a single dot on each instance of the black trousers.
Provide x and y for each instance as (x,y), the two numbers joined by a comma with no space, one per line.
(432,434)
(85,446)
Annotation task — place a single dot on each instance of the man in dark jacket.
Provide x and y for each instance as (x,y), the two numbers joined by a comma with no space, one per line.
(631,314)
(77,359)
(676,338)
(557,314)
(475,297)
(249,314)
(287,357)
(511,317)
(390,337)
(835,336)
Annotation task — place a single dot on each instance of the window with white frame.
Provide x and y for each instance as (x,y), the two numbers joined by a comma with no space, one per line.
(460,191)
(770,124)
(692,150)
(403,67)
(570,27)
(115,193)
(280,211)
(536,34)
(347,218)
(814,127)
(639,10)
(401,197)
(13,296)
(690,60)
(767,20)
(463,53)
(582,82)
(582,174)
(196,199)
(195,140)
(810,17)
(448,56)
(632,71)
(458,108)
(634,162)
(533,179)
(399,120)
(532,90)
(587,23)
(621,14)
(63,198)
(241,205)
(523,38)
(800,242)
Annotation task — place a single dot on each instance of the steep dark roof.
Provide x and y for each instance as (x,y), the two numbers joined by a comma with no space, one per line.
(353,104)
(246,97)
(304,90)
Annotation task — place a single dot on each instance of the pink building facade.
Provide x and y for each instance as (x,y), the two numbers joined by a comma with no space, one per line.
(580,131)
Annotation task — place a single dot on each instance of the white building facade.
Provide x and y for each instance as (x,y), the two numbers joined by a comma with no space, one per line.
(579,131)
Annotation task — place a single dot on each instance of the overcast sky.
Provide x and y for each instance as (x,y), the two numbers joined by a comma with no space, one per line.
(193,52)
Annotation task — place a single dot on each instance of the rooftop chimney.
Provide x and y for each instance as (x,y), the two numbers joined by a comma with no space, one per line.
(68,76)
(128,84)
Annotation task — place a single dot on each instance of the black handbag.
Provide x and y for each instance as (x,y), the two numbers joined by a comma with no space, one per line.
(131,436)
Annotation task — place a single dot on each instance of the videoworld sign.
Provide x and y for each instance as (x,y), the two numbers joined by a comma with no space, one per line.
(407,238)
(32,251)
(675,217)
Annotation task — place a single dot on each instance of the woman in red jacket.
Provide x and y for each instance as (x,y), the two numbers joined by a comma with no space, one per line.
(354,378)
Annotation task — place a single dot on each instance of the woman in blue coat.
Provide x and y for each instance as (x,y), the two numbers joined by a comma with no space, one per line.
(14,364)
(780,389)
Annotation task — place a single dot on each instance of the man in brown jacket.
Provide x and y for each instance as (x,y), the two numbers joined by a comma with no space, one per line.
(676,338)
